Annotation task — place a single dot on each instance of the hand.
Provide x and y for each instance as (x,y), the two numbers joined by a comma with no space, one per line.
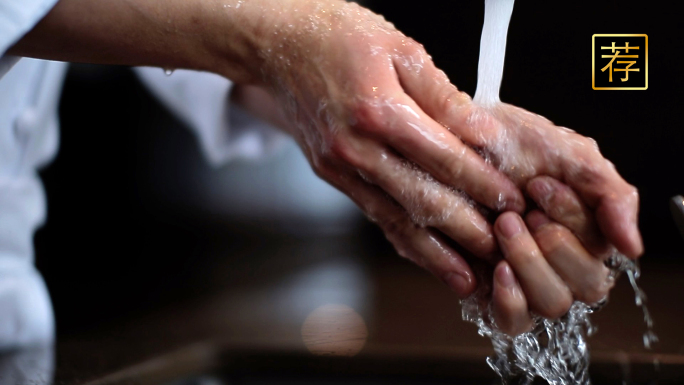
(353,88)
(524,145)
(365,104)
(552,266)
(558,257)
(380,96)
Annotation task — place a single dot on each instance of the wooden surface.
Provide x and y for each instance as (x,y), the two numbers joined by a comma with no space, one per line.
(279,306)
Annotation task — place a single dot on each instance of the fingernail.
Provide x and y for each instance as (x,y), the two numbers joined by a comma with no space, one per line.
(510,225)
(505,276)
(459,283)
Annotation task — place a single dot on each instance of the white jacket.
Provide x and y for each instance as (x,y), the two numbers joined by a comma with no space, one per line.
(29,138)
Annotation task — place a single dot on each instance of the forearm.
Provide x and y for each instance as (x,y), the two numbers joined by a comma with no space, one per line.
(225,37)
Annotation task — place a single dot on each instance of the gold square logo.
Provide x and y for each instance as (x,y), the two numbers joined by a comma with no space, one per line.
(619,62)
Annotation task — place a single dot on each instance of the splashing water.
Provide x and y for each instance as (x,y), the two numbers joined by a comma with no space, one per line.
(555,350)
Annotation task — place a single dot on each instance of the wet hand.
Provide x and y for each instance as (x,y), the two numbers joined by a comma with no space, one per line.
(354,88)
(525,145)
(597,208)
(546,265)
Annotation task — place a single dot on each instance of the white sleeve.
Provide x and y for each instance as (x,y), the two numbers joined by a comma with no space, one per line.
(202,101)
(17,17)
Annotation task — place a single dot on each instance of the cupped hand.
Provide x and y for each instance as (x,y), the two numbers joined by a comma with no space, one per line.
(546,266)
(525,145)
(338,70)
(586,209)
(377,119)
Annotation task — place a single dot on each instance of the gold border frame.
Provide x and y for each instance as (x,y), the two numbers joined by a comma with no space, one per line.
(593,62)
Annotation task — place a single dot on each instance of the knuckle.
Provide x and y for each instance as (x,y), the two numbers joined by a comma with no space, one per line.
(588,143)
(589,173)
(368,117)
(413,46)
(324,173)
(633,193)
(453,167)
(594,145)
(323,168)
(627,194)
(453,102)
(485,246)
(402,250)
(342,149)
(395,227)
(417,45)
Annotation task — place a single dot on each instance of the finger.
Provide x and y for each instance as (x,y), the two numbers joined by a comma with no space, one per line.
(399,122)
(545,291)
(428,202)
(509,304)
(615,202)
(431,204)
(564,206)
(439,98)
(402,125)
(587,277)
(617,216)
(420,245)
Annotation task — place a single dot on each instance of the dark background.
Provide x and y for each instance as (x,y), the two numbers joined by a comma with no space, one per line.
(109,238)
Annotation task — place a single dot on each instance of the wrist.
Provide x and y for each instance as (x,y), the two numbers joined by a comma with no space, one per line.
(250,39)
(240,34)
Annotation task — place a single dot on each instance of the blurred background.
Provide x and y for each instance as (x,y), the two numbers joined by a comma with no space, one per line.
(137,220)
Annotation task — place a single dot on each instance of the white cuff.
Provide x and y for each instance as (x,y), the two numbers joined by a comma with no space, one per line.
(202,101)
(17,17)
